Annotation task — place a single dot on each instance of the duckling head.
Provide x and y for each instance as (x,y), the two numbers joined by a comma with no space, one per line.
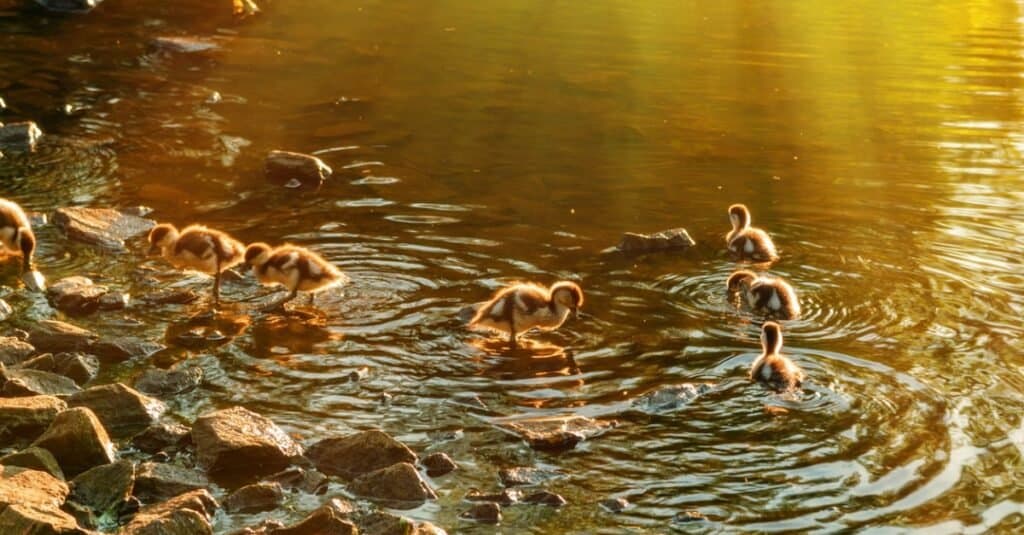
(26,241)
(569,295)
(162,237)
(741,280)
(739,216)
(257,254)
(771,338)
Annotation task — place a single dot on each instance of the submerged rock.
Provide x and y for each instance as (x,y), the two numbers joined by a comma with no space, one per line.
(505,498)
(124,348)
(381,523)
(524,476)
(78,441)
(104,227)
(254,498)
(676,238)
(167,383)
(161,481)
(69,6)
(104,488)
(14,350)
(558,433)
(486,512)
(671,397)
(21,136)
(185,44)
(34,459)
(545,498)
(358,454)
(239,440)
(80,295)
(24,416)
(332,518)
(438,464)
(57,337)
(161,437)
(615,505)
(122,410)
(295,169)
(400,485)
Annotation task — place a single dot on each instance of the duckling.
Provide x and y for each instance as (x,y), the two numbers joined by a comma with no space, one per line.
(771,368)
(16,235)
(747,241)
(197,248)
(769,294)
(523,306)
(294,267)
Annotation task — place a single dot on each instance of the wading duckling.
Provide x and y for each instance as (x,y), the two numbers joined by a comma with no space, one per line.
(16,235)
(197,248)
(773,369)
(747,241)
(294,267)
(523,306)
(771,295)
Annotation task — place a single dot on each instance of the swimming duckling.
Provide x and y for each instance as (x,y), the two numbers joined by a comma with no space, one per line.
(768,294)
(747,241)
(16,235)
(523,306)
(294,267)
(771,368)
(197,248)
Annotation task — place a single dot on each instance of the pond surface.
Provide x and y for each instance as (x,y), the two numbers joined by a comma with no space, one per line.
(476,143)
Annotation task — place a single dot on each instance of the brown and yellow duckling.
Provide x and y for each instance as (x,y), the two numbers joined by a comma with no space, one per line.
(296,268)
(16,236)
(772,368)
(197,248)
(770,295)
(523,306)
(746,241)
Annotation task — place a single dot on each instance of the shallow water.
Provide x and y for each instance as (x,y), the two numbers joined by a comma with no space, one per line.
(476,143)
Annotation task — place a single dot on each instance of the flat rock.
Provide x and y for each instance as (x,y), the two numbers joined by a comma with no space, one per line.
(30,487)
(57,337)
(161,481)
(558,433)
(294,477)
(69,6)
(239,440)
(76,295)
(35,459)
(438,464)
(614,505)
(669,398)
(168,383)
(486,512)
(358,454)
(25,415)
(106,487)
(187,514)
(122,409)
(254,498)
(33,519)
(14,350)
(381,523)
(332,518)
(162,437)
(19,382)
(525,476)
(545,498)
(79,367)
(185,44)
(77,440)
(505,498)
(676,238)
(20,136)
(399,485)
(105,227)
(294,169)
(125,348)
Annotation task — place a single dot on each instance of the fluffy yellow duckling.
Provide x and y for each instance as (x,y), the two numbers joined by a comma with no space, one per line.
(16,235)
(747,241)
(524,306)
(771,295)
(772,368)
(197,248)
(294,267)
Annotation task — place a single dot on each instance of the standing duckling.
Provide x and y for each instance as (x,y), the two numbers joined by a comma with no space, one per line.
(772,368)
(294,267)
(197,248)
(771,295)
(747,241)
(16,235)
(523,306)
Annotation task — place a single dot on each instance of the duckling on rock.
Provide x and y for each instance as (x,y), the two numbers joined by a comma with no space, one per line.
(197,248)
(294,267)
(772,368)
(771,295)
(523,306)
(16,235)
(747,241)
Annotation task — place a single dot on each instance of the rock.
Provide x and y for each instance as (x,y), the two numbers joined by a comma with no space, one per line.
(523,476)
(187,514)
(5,308)
(545,498)
(167,383)
(32,519)
(689,516)
(160,481)
(34,280)
(237,439)
(69,6)
(185,45)
(311,481)
(56,337)
(438,464)
(558,433)
(28,382)
(506,497)
(122,410)
(43,363)
(35,459)
(24,416)
(83,515)
(106,487)
(332,518)
(161,437)
(671,397)
(285,167)
(125,348)
(486,512)
(30,487)
(358,454)
(172,297)
(615,505)
(20,136)
(104,227)
(399,484)
(255,498)
(78,441)
(14,351)
(79,367)
(76,295)
(381,523)
(676,238)
(114,301)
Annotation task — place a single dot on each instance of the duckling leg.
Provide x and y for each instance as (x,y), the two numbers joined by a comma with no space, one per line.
(512,333)
(312,296)
(216,283)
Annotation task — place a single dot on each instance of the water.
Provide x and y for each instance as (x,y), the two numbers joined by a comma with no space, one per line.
(476,143)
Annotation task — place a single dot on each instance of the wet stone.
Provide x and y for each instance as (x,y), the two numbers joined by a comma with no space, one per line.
(438,464)
(254,498)
(14,350)
(294,477)
(79,367)
(76,295)
(25,415)
(358,454)
(20,136)
(241,441)
(332,518)
(689,516)
(399,485)
(104,227)
(19,382)
(168,383)
(187,514)
(78,441)
(184,44)
(160,481)
(560,433)
(171,297)
(486,512)
(106,487)
(676,238)
(34,458)
(69,6)
(615,505)
(524,476)
(31,519)
(505,498)
(57,337)
(30,487)
(83,515)
(545,498)
(295,169)
(125,348)
(670,397)
(161,437)
(122,410)
(381,523)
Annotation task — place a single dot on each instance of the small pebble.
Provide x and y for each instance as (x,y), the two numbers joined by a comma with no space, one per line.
(486,512)
(438,464)
(615,505)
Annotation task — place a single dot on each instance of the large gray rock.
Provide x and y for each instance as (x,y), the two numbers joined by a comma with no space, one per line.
(398,485)
(105,487)
(19,382)
(21,136)
(34,458)
(332,518)
(69,6)
(104,227)
(187,514)
(161,481)
(358,454)
(23,416)
(57,337)
(14,350)
(122,409)
(254,498)
(77,440)
(294,169)
(240,441)
(32,519)
(30,487)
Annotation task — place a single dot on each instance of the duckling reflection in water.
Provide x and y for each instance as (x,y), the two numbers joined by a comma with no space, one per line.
(772,369)
(523,306)
(296,268)
(197,248)
(17,238)
(746,241)
(770,295)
